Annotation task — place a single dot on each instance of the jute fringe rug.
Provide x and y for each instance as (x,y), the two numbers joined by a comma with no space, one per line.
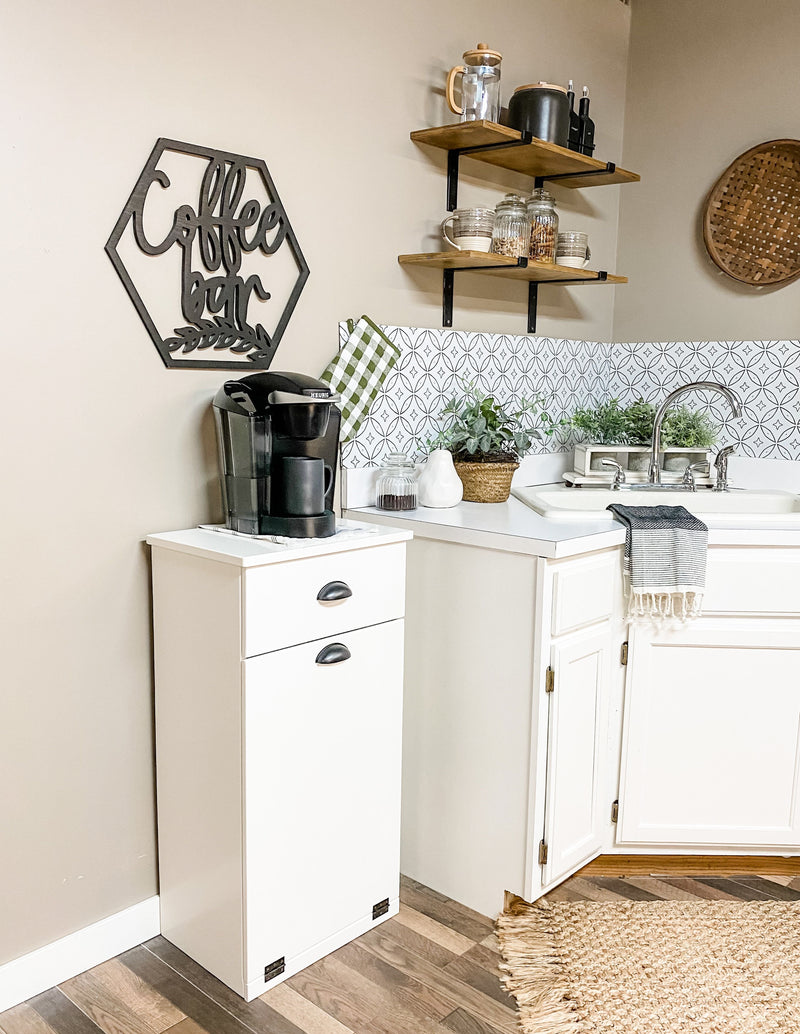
(661,967)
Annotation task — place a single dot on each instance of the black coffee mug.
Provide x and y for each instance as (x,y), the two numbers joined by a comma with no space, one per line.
(306,480)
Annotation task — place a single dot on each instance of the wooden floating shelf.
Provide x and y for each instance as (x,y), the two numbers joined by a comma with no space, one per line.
(538,158)
(502,265)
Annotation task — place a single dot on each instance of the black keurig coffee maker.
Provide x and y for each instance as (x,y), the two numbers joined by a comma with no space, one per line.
(278,436)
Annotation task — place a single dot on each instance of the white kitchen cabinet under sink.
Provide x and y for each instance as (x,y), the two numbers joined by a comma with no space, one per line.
(711,751)
(543,728)
(278,774)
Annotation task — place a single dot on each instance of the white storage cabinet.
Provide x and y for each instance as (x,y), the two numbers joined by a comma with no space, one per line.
(278,716)
(711,743)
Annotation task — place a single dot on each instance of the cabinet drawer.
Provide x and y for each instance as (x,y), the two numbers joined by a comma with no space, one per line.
(282,605)
(752,581)
(583,591)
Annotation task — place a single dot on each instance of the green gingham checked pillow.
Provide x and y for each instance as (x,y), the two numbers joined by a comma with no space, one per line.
(358,371)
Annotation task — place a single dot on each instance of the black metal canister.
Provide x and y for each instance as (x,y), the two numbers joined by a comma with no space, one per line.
(541,109)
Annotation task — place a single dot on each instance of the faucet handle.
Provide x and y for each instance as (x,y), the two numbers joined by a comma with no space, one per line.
(691,469)
(721,463)
(619,476)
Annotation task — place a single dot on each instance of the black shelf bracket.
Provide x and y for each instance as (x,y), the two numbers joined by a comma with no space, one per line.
(454,156)
(609,167)
(448,283)
(533,292)
(448,280)
(453,163)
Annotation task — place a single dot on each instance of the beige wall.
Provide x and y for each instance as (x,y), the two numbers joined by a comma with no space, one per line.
(708,80)
(102,443)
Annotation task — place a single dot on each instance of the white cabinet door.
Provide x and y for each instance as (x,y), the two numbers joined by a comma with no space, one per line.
(322,790)
(711,753)
(576,736)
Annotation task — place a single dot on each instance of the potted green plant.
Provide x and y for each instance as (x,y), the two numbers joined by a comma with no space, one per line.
(486,440)
(685,428)
(639,420)
(625,434)
(602,425)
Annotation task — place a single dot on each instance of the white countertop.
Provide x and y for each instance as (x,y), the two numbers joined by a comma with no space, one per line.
(515,528)
(245,551)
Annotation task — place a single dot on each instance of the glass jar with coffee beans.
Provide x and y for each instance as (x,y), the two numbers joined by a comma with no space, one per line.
(397,483)
(544,226)
(512,227)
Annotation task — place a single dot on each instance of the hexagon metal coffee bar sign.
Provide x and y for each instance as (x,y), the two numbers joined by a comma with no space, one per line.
(207,255)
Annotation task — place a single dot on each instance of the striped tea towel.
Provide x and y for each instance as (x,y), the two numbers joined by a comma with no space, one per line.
(358,371)
(665,560)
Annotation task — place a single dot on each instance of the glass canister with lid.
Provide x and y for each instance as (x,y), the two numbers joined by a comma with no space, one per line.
(544,225)
(396,488)
(512,227)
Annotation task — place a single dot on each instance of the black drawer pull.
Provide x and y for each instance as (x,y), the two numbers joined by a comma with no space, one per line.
(334,653)
(334,591)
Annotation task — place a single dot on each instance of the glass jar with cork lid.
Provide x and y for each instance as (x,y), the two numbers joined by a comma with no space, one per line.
(512,227)
(544,226)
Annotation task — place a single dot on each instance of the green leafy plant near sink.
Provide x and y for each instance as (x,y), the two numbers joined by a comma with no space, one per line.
(639,420)
(611,424)
(604,424)
(685,428)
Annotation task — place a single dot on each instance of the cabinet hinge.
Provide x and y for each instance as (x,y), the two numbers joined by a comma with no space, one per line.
(549,681)
(623,653)
(380,909)
(615,811)
(274,969)
(542,853)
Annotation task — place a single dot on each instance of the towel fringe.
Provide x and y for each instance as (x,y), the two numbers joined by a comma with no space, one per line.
(680,604)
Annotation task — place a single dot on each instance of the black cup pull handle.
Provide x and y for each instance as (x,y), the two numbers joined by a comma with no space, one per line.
(334,591)
(334,653)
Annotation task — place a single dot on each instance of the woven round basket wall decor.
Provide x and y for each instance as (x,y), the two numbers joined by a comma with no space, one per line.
(486,482)
(751,222)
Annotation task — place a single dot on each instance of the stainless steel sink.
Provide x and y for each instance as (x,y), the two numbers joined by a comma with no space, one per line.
(563,503)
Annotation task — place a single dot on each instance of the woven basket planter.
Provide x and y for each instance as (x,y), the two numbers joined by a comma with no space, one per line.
(486,482)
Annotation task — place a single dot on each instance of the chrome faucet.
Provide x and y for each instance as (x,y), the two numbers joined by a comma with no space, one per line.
(733,400)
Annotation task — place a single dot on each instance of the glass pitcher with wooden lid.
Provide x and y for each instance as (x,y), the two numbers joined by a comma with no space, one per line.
(480,85)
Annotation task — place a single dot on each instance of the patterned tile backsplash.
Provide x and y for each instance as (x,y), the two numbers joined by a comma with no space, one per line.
(569,374)
(765,374)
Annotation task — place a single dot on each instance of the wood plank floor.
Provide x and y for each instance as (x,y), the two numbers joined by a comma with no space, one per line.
(433,969)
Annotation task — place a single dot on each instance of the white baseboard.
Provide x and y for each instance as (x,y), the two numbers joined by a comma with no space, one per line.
(44,968)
